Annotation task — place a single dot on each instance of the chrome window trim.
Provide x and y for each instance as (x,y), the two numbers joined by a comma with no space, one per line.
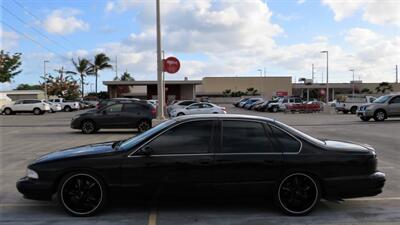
(301,143)
(179,123)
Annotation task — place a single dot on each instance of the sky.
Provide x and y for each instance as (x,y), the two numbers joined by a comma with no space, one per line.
(209,37)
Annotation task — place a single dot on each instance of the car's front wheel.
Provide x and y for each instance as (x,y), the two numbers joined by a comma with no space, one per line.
(379,115)
(88,127)
(298,194)
(82,194)
(67,108)
(274,108)
(8,111)
(37,111)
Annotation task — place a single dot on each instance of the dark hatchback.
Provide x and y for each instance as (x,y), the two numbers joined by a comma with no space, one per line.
(214,150)
(137,114)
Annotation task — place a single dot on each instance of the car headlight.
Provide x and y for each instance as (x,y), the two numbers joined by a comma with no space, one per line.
(32,174)
(369,107)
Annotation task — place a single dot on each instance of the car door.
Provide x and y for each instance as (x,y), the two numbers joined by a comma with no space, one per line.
(193,109)
(131,114)
(18,105)
(246,154)
(27,105)
(394,106)
(109,117)
(179,155)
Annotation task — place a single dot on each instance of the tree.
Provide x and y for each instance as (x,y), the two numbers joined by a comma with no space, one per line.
(62,86)
(126,76)
(383,87)
(82,67)
(101,62)
(100,95)
(251,91)
(29,87)
(366,91)
(227,93)
(9,66)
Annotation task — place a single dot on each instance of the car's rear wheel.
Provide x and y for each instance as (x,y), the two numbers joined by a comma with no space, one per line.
(37,111)
(353,109)
(274,108)
(365,118)
(88,127)
(345,111)
(143,125)
(67,108)
(8,111)
(298,194)
(82,194)
(379,115)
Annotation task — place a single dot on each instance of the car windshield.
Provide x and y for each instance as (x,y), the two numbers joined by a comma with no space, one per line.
(301,134)
(382,99)
(131,142)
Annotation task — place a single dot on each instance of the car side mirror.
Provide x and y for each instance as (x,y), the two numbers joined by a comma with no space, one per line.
(146,150)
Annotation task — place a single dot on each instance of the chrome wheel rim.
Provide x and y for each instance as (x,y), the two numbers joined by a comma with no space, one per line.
(88,127)
(298,193)
(274,109)
(143,126)
(36,111)
(81,194)
(7,112)
(380,115)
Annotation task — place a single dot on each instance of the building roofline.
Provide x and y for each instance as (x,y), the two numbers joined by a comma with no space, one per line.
(146,82)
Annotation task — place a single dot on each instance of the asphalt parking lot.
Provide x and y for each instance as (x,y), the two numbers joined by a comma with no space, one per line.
(25,137)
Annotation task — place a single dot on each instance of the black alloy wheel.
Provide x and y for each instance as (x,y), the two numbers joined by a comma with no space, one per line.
(143,125)
(67,108)
(379,115)
(298,194)
(37,111)
(88,127)
(8,111)
(82,194)
(353,109)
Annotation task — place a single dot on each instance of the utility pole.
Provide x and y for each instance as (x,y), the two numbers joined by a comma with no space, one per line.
(160,94)
(261,72)
(312,72)
(45,79)
(397,74)
(116,66)
(352,70)
(327,76)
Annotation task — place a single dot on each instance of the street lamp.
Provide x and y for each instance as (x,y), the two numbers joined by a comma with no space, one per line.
(160,91)
(45,79)
(327,76)
(261,72)
(352,70)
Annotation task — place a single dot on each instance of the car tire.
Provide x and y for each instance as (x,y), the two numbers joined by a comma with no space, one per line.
(52,111)
(365,118)
(274,109)
(345,111)
(88,127)
(143,125)
(379,115)
(37,111)
(180,114)
(82,194)
(353,109)
(8,111)
(298,194)
(67,108)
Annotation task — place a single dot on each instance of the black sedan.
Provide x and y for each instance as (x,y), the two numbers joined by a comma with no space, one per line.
(210,150)
(120,115)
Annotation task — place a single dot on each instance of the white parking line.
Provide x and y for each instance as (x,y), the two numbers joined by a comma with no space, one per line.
(153,217)
(375,199)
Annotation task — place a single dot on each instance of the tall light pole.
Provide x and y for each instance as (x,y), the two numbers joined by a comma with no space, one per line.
(352,70)
(261,72)
(45,79)
(160,94)
(327,76)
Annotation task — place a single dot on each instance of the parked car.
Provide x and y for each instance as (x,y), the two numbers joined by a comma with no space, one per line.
(280,105)
(264,106)
(304,107)
(198,108)
(119,115)
(66,105)
(34,106)
(153,102)
(382,108)
(54,107)
(351,104)
(250,103)
(106,102)
(179,104)
(236,104)
(257,152)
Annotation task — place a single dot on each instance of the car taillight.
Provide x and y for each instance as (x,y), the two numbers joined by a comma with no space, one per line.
(153,111)
(223,108)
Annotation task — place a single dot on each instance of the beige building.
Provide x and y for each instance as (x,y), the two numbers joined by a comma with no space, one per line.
(266,86)
(24,94)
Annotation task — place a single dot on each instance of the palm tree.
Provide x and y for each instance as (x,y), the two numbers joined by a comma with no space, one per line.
(126,76)
(383,87)
(101,61)
(81,66)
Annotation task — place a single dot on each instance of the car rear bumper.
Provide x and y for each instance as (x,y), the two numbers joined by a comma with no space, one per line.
(355,186)
(35,189)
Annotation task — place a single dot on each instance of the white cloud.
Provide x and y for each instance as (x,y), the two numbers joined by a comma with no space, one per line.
(64,21)
(300,2)
(8,40)
(381,12)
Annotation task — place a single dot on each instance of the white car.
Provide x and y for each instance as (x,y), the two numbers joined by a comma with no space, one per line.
(66,105)
(54,107)
(198,108)
(34,106)
(179,104)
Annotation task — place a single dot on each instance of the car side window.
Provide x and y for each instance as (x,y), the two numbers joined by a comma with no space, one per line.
(56,100)
(207,106)
(195,106)
(132,108)
(187,138)
(114,108)
(285,141)
(395,100)
(244,137)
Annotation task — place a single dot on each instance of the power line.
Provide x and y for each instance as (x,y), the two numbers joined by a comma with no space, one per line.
(37,31)
(32,39)
(40,22)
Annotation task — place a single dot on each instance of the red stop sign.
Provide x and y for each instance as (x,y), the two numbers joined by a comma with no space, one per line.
(171,65)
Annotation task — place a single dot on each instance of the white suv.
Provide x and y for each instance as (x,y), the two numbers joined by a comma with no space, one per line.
(34,106)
